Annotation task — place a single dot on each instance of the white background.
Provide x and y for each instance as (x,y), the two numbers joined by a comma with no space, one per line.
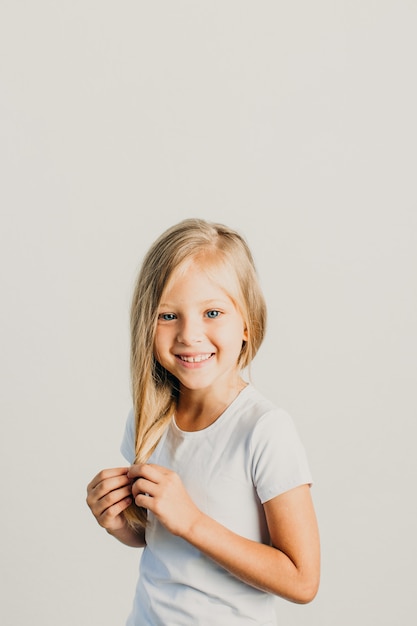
(294,122)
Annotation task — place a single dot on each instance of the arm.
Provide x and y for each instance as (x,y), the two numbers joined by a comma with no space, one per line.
(108,495)
(290,567)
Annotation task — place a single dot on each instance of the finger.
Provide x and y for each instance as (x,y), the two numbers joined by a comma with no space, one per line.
(142,485)
(111,499)
(149,471)
(134,471)
(111,484)
(144,501)
(107,486)
(104,474)
(107,516)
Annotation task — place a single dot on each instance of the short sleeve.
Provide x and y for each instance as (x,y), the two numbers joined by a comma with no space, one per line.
(279,461)
(127,447)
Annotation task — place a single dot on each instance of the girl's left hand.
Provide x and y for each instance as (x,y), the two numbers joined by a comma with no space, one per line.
(162,492)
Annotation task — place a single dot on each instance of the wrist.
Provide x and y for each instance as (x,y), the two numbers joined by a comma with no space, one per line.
(193,529)
(129,536)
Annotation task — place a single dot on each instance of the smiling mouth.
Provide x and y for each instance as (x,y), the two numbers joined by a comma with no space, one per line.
(198,358)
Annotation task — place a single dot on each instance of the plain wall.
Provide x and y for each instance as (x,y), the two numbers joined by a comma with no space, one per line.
(294,123)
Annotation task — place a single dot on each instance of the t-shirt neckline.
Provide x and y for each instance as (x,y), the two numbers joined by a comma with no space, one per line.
(219,420)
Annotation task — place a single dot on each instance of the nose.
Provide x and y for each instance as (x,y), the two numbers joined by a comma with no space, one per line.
(190,331)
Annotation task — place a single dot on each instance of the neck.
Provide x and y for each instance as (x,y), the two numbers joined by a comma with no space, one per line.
(196,411)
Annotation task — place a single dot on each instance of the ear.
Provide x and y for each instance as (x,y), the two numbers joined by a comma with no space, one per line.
(245,334)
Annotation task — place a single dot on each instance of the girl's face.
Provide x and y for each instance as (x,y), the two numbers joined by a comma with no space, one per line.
(200,331)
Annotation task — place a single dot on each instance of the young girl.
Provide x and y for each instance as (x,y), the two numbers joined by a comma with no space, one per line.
(218,490)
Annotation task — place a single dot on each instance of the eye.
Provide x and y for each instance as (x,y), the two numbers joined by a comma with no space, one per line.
(213,314)
(167,317)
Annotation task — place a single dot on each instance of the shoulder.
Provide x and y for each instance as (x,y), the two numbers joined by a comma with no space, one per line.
(276,453)
(259,413)
(262,425)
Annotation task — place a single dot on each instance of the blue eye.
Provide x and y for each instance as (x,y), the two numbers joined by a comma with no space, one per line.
(213,314)
(167,317)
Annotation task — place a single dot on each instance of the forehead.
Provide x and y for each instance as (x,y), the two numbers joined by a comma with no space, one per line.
(218,272)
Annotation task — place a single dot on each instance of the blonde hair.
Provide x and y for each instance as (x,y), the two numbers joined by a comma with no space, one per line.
(154,389)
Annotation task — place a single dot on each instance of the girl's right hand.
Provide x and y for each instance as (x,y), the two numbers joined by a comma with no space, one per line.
(108,495)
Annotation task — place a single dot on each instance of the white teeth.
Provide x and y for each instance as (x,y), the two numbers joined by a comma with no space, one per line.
(195,359)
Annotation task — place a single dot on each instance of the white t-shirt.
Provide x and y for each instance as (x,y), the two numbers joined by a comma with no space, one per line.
(249,455)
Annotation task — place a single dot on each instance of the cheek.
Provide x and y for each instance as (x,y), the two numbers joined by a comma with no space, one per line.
(158,345)
(234,339)
(163,341)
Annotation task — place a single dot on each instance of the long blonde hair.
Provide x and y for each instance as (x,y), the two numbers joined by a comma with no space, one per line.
(154,389)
